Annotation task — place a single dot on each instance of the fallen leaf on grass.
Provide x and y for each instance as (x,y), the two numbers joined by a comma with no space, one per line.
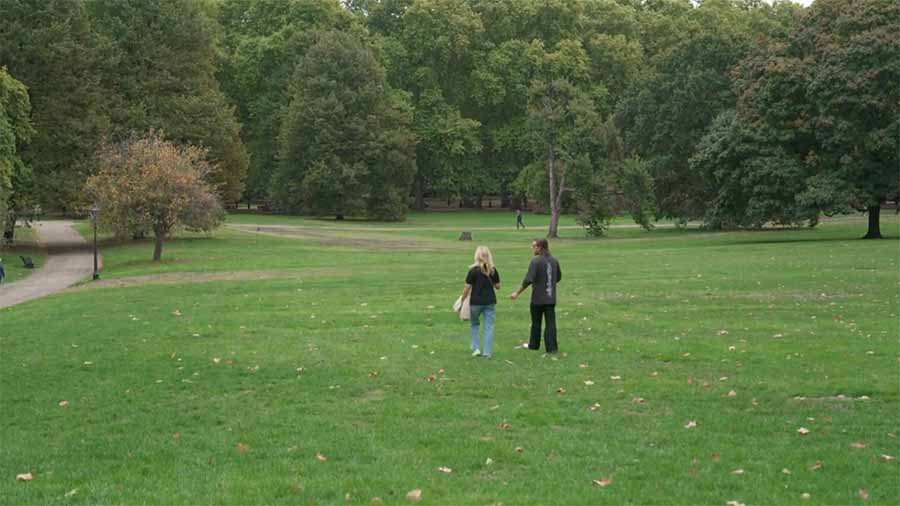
(716,457)
(63,404)
(864,494)
(583,366)
(805,496)
(615,378)
(25,477)
(858,444)
(519,449)
(816,466)
(723,332)
(588,382)
(886,457)
(374,374)
(561,391)
(72,492)
(431,378)
(595,407)
(504,424)
(803,431)
(414,495)
(216,360)
(445,470)
(489,461)
(786,471)
(734,503)
(737,472)
(376,500)
(242,447)
(638,400)
(603,482)
(732,393)
(320,457)
(177,312)
(690,425)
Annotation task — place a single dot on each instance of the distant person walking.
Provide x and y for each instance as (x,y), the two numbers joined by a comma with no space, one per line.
(2,272)
(544,273)
(519,222)
(481,280)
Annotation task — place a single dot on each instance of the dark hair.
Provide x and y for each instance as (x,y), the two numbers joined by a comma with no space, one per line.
(543,245)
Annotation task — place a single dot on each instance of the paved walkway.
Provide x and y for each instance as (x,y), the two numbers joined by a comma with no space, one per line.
(69,260)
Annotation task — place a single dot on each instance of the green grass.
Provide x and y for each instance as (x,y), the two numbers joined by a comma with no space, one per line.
(189,391)
(25,245)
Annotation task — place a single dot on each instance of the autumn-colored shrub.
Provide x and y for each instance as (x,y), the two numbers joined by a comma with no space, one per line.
(147,184)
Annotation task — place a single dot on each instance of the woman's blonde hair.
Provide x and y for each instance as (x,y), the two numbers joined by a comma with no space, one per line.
(484,260)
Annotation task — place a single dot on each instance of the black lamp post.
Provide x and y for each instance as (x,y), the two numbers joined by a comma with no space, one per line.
(94,211)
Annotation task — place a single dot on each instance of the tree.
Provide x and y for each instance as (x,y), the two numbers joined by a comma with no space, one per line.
(149,183)
(749,180)
(346,146)
(262,41)
(690,52)
(164,78)
(15,131)
(432,60)
(854,54)
(562,117)
(52,48)
(825,109)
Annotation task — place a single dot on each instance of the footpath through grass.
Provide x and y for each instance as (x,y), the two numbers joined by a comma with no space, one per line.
(333,371)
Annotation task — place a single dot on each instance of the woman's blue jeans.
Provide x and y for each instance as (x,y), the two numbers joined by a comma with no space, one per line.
(488,312)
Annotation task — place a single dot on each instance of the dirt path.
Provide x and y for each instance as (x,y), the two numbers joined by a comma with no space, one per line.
(69,260)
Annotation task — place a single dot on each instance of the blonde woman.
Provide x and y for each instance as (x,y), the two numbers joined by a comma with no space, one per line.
(481,281)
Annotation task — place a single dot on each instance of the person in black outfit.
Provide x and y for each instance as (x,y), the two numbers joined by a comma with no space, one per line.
(481,280)
(544,273)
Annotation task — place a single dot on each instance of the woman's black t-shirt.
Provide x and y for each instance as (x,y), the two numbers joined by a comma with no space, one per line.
(482,287)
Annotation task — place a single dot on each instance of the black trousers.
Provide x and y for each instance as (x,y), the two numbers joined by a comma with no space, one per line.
(548,313)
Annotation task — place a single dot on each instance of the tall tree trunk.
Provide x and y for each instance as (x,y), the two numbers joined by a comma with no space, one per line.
(419,192)
(874,223)
(157,250)
(160,237)
(554,203)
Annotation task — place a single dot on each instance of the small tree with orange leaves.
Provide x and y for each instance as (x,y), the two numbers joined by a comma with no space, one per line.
(149,184)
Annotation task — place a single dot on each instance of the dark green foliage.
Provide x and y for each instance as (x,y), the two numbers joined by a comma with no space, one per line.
(818,120)
(51,46)
(345,144)
(15,131)
(262,41)
(687,83)
(748,182)
(165,78)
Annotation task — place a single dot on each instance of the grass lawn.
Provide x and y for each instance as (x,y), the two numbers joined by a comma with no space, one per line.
(324,366)
(25,245)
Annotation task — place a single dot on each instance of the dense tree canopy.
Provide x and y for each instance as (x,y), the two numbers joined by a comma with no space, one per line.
(346,147)
(738,113)
(15,131)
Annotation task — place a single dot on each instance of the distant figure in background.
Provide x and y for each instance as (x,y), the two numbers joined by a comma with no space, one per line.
(2,272)
(519,222)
